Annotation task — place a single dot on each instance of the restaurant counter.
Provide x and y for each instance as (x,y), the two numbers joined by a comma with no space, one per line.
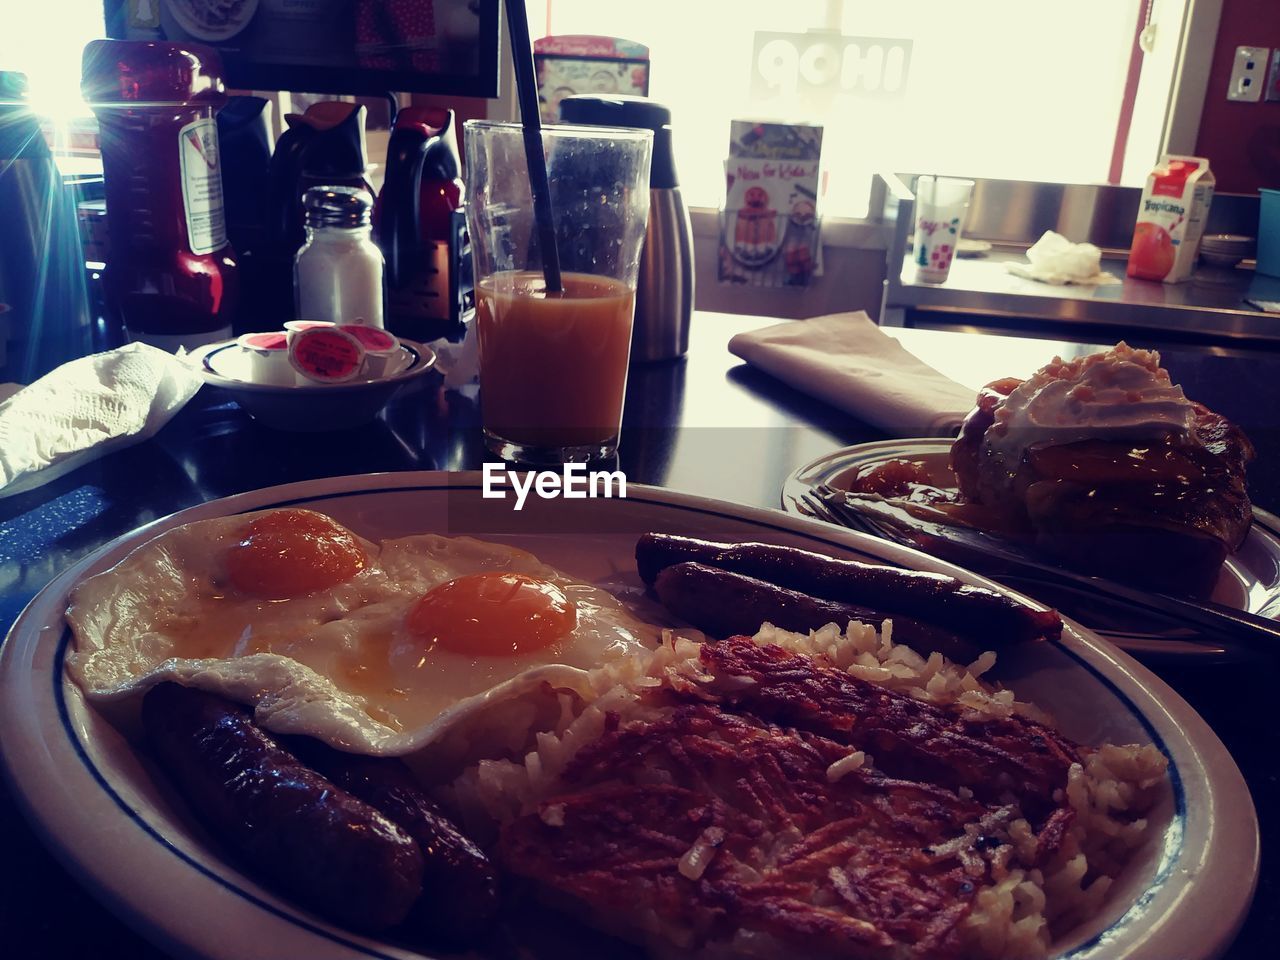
(706,425)
(1213,306)
(1216,305)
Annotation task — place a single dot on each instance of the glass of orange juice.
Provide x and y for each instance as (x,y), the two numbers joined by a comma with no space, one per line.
(553,365)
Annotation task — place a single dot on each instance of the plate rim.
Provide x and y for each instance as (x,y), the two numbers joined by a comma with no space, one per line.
(1160,702)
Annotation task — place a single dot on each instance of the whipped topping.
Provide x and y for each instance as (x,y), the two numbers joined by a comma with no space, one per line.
(1121,393)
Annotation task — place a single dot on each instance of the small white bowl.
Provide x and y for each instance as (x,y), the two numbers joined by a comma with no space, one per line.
(313,408)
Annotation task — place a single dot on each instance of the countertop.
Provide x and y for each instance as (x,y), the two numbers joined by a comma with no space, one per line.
(706,425)
(1211,306)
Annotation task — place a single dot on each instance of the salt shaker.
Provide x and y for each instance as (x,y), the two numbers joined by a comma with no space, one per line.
(338,273)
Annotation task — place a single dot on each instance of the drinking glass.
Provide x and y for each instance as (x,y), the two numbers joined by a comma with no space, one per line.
(553,365)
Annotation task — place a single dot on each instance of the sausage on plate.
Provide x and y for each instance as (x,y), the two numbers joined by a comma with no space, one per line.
(725,604)
(460,885)
(982,616)
(307,836)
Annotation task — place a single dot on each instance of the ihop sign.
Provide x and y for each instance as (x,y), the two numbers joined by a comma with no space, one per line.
(822,65)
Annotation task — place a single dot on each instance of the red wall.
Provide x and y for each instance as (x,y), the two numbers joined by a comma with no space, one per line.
(1241,140)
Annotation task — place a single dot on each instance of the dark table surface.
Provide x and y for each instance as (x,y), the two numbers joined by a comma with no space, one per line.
(705,425)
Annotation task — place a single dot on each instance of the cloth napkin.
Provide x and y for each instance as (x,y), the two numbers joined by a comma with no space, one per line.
(848,361)
(1055,259)
(87,408)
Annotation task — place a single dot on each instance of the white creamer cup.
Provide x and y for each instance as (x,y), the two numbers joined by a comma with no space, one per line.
(291,327)
(381,349)
(326,355)
(268,358)
(939,210)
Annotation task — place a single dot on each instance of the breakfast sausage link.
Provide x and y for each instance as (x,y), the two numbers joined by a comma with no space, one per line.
(988,617)
(726,604)
(460,885)
(307,836)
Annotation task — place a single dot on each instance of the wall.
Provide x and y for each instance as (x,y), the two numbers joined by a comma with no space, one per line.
(1241,140)
(852,279)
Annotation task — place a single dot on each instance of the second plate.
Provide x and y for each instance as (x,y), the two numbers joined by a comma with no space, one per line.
(1250,578)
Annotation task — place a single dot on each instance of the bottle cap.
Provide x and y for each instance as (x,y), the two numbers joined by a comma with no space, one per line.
(151,71)
(337,207)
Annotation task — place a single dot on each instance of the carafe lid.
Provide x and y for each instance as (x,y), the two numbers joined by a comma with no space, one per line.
(440,159)
(619,110)
(337,149)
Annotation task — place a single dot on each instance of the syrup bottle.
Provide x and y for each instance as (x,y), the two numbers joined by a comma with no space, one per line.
(421,190)
(171,275)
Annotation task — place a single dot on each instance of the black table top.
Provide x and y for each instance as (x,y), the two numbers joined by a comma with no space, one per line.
(706,425)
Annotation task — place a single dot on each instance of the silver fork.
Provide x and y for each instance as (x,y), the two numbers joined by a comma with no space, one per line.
(1212,622)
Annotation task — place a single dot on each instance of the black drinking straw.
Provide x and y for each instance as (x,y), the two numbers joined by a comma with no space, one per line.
(527,93)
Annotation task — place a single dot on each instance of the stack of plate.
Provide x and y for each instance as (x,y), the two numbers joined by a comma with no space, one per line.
(1226,249)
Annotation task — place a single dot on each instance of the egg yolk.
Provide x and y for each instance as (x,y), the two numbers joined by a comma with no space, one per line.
(291,553)
(493,614)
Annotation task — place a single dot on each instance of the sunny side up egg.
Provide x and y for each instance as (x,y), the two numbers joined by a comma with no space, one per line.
(369,647)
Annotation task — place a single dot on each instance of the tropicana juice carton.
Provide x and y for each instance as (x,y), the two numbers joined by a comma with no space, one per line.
(1171,218)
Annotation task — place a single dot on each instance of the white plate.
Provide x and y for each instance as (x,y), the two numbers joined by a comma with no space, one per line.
(1250,578)
(101,812)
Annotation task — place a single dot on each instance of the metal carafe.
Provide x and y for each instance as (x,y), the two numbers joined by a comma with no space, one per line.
(664,293)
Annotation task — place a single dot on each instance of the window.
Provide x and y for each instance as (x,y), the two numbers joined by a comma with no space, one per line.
(996,88)
(45,41)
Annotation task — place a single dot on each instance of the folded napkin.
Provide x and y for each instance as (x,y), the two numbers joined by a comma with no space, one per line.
(87,408)
(1055,259)
(848,361)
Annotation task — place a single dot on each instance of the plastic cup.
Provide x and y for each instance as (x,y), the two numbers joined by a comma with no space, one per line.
(268,358)
(1269,232)
(553,366)
(939,209)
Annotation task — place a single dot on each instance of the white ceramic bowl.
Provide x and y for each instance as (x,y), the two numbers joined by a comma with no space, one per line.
(313,408)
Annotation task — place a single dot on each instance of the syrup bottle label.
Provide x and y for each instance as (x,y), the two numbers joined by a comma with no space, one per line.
(425,296)
(202,186)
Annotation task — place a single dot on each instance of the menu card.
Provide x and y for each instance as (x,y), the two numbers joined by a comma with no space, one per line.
(769,227)
(584,64)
